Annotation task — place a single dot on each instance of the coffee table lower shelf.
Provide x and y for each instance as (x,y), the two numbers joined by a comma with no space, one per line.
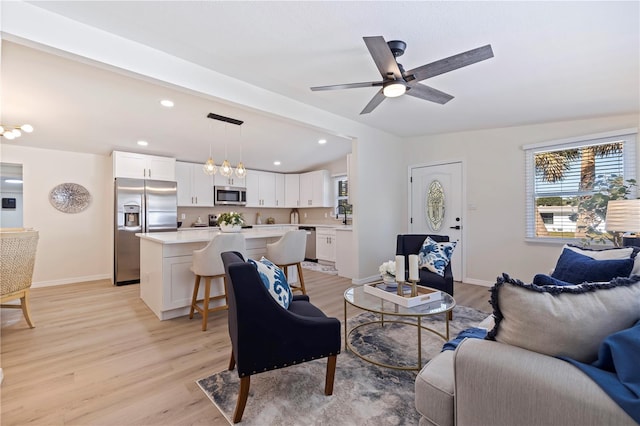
(358,298)
(382,321)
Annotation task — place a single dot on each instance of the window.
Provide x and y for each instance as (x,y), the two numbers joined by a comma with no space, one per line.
(341,191)
(563,176)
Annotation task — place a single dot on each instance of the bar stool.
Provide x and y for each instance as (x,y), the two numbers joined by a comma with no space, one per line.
(207,263)
(288,251)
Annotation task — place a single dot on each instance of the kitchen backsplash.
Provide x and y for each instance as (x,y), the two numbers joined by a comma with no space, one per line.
(281,216)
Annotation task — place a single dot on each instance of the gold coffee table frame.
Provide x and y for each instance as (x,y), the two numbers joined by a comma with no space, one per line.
(358,298)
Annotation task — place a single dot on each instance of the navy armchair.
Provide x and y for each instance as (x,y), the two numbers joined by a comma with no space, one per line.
(410,244)
(265,336)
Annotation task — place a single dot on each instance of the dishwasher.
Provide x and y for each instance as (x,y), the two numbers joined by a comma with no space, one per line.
(310,251)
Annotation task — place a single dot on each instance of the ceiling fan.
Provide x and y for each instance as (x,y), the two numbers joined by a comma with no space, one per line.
(396,81)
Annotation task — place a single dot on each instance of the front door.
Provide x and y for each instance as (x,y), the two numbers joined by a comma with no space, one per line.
(436,206)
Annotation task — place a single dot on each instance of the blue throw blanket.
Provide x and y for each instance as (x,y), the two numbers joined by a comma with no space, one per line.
(617,369)
(475,333)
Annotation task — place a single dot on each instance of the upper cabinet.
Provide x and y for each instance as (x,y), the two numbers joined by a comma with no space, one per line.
(315,189)
(279,190)
(232,180)
(195,188)
(141,166)
(292,190)
(261,189)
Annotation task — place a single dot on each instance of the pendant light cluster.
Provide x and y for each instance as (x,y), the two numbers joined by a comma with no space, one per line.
(225,169)
(12,132)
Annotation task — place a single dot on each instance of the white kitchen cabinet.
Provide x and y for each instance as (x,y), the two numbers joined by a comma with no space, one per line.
(315,189)
(142,166)
(292,190)
(232,180)
(326,244)
(279,190)
(345,259)
(195,188)
(261,189)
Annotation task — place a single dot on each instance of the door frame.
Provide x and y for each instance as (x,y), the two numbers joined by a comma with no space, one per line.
(464,206)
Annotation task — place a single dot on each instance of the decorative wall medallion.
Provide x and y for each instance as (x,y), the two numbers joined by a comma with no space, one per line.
(70,197)
(435,205)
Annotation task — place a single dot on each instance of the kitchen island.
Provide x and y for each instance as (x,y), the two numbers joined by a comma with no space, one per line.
(166,280)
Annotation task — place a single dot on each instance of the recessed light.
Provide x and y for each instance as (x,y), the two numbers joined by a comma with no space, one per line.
(143,143)
(276,163)
(13,181)
(322,141)
(166,103)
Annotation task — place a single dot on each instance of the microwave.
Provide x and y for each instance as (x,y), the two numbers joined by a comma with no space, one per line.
(229,196)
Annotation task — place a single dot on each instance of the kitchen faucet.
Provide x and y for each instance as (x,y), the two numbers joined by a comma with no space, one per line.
(344,208)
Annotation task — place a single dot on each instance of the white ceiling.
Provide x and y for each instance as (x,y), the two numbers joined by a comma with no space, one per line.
(553,61)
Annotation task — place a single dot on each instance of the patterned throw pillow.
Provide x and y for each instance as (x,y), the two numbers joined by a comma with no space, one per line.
(435,256)
(274,280)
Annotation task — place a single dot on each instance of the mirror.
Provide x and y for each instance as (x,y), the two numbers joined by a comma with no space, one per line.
(11,194)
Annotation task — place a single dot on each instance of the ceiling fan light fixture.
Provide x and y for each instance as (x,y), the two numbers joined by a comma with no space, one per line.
(394,89)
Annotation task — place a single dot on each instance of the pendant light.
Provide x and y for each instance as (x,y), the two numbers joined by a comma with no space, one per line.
(209,168)
(225,169)
(241,171)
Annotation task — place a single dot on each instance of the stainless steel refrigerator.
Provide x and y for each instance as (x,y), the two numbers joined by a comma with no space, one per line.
(140,206)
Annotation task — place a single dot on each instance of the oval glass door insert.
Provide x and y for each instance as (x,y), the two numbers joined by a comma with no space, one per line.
(435,205)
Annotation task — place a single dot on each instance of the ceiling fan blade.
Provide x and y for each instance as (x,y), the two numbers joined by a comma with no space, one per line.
(449,64)
(382,56)
(347,86)
(427,93)
(374,102)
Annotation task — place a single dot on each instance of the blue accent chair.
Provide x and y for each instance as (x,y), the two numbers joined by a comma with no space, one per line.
(410,244)
(265,336)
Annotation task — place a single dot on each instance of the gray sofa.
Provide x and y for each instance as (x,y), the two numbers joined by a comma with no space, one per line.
(489,383)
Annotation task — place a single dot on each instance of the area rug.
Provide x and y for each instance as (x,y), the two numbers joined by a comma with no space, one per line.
(319,267)
(363,394)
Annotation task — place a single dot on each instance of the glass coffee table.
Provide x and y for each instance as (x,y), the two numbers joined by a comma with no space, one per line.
(357,297)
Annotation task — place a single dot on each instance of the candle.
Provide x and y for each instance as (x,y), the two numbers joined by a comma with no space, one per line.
(413,268)
(400,269)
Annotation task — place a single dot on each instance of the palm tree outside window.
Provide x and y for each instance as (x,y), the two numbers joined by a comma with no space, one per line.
(563,178)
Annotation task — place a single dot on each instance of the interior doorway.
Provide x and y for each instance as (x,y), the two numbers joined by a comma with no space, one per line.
(436,206)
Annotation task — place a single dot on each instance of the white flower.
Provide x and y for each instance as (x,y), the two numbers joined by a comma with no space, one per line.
(388,268)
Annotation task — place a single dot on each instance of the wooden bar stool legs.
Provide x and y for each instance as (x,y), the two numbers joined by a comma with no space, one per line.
(204,310)
(300,277)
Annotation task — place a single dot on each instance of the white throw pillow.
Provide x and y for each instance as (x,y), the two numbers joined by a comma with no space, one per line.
(569,321)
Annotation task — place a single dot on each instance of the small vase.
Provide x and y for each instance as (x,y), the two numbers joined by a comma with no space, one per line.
(230,228)
(388,279)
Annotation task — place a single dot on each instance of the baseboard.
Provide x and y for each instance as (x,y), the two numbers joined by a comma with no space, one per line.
(72,280)
(478,282)
(361,281)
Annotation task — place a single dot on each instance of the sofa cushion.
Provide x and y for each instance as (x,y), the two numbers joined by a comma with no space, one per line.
(577,268)
(435,256)
(568,321)
(434,390)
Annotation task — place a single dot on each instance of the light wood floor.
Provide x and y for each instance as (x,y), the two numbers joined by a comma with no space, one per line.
(99,356)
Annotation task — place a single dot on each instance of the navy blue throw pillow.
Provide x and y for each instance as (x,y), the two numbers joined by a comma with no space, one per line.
(576,268)
(542,279)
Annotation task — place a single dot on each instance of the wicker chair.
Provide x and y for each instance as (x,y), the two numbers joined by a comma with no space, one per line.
(18,256)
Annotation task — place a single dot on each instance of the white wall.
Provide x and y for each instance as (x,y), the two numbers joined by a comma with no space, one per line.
(72,247)
(495,184)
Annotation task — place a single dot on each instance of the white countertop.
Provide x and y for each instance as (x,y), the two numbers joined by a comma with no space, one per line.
(204,235)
